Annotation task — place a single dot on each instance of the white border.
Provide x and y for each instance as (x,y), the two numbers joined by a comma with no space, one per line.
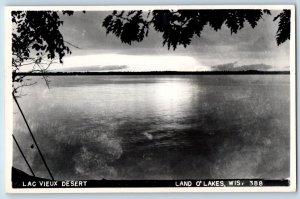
(9,104)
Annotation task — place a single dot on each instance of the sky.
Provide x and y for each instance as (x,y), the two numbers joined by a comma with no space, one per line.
(249,48)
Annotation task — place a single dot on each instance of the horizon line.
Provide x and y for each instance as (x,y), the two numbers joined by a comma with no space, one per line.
(246,72)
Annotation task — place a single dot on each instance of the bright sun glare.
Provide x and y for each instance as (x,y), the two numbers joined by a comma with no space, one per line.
(173,94)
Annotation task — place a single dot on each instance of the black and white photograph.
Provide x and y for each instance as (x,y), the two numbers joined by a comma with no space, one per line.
(150,99)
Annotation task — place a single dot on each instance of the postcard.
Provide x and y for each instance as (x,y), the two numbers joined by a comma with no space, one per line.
(176,98)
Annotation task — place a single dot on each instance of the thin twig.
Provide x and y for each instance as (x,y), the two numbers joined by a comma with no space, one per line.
(72,45)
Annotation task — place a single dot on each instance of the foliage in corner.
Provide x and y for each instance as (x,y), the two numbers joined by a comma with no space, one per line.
(284,26)
(36,39)
(179,27)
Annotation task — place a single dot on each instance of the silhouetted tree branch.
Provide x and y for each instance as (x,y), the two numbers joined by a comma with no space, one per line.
(284,26)
(179,27)
(37,41)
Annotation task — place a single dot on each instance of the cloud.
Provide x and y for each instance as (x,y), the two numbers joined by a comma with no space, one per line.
(96,68)
(124,62)
(224,67)
(255,67)
(233,67)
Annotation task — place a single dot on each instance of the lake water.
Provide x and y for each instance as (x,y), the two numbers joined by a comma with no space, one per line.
(157,127)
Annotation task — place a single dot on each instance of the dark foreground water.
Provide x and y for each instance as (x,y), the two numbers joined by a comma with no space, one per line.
(157,127)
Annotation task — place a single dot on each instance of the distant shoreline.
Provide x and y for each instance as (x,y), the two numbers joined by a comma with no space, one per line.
(248,72)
